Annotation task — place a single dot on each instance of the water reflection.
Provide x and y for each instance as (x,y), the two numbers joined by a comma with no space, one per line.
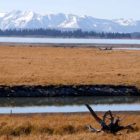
(59,101)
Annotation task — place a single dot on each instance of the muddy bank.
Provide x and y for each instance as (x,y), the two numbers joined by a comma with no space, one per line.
(68,90)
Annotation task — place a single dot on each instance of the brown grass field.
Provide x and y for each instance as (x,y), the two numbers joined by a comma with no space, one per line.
(64,65)
(62,127)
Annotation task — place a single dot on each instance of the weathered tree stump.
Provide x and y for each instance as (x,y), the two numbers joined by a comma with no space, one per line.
(108,123)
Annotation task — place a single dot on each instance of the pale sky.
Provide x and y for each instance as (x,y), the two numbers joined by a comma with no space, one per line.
(107,9)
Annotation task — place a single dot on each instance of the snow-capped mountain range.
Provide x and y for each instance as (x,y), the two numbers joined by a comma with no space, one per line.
(32,20)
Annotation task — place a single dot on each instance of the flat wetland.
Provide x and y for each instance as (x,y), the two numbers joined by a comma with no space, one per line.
(48,65)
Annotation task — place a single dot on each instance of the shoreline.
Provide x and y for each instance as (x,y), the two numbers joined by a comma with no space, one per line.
(68,90)
(137,113)
(69,45)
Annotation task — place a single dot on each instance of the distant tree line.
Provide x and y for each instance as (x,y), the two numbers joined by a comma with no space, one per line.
(63,33)
(135,35)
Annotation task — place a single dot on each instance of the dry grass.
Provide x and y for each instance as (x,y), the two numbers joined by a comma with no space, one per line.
(48,65)
(60,127)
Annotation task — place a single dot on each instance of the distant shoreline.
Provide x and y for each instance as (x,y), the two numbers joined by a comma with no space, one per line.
(69,45)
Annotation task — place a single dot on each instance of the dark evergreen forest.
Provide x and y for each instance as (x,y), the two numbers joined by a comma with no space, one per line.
(63,33)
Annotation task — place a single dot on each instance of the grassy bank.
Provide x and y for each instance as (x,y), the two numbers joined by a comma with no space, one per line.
(49,65)
(61,127)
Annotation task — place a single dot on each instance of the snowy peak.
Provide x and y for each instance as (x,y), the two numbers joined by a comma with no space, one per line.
(32,20)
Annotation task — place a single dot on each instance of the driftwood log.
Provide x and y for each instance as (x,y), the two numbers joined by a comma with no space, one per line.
(106,48)
(113,126)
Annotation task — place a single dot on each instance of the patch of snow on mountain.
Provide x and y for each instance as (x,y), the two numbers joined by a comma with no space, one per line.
(94,25)
(125,22)
(70,22)
(2,15)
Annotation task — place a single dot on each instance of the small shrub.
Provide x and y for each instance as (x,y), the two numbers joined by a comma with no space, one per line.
(47,130)
(22,130)
(68,129)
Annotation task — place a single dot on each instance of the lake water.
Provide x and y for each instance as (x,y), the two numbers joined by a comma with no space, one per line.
(133,49)
(68,105)
(67,40)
